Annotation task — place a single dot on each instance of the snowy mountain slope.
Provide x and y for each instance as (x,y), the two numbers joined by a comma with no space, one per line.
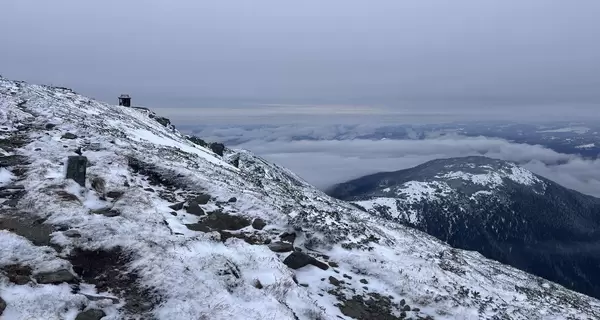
(496,208)
(167,229)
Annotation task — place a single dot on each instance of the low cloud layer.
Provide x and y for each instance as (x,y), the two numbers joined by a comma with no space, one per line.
(324,163)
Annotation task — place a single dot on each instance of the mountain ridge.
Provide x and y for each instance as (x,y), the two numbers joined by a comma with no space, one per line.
(177,231)
(496,208)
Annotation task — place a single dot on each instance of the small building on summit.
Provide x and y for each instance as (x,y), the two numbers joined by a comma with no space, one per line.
(125,100)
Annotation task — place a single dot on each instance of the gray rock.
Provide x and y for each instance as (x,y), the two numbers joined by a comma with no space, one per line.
(17,274)
(288,237)
(177,206)
(334,281)
(50,126)
(258,224)
(280,246)
(297,260)
(99,185)
(91,314)
(200,199)
(55,277)
(114,194)
(2,305)
(107,212)
(76,169)
(232,199)
(194,208)
(69,135)
(72,233)
(219,221)
(363,281)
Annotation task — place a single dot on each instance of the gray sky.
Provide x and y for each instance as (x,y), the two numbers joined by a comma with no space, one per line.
(535,57)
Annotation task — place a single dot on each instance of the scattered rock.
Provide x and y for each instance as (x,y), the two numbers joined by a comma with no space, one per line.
(333,264)
(108,271)
(363,280)
(402,302)
(100,298)
(257,284)
(297,260)
(288,237)
(304,285)
(406,308)
(232,199)
(11,161)
(69,135)
(2,306)
(55,277)
(49,126)
(416,309)
(91,314)
(258,224)
(37,233)
(173,213)
(177,206)
(334,281)
(149,189)
(17,274)
(346,276)
(280,246)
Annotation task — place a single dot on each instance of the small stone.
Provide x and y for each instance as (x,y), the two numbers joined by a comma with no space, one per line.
(232,199)
(366,288)
(149,189)
(55,277)
(69,135)
(322,279)
(49,126)
(334,281)
(267,241)
(280,246)
(363,281)
(402,302)
(406,308)
(346,276)
(107,212)
(258,224)
(402,315)
(333,264)
(177,206)
(91,314)
(37,149)
(17,274)
(416,309)
(72,233)
(173,213)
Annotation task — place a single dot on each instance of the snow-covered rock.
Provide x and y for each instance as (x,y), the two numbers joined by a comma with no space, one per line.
(137,253)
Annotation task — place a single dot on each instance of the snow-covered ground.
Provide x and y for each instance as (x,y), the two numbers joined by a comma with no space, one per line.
(187,274)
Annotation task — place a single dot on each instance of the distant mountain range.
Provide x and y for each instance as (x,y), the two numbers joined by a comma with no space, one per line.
(496,208)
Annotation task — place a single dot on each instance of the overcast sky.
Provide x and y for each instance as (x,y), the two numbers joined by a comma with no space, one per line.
(537,57)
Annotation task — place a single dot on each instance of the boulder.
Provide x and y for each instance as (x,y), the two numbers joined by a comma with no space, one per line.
(55,277)
(218,222)
(200,199)
(297,260)
(258,224)
(91,314)
(217,148)
(194,208)
(280,246)
(177,206)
